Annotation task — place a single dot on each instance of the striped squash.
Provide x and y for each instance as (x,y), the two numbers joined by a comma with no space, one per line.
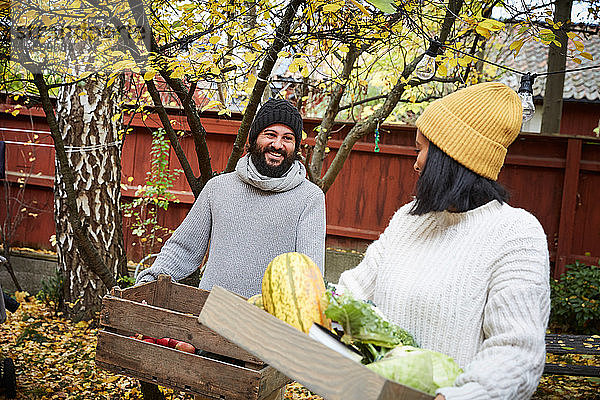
(293,291)
(257,301)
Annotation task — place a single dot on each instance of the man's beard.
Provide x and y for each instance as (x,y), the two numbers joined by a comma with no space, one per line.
(260,162)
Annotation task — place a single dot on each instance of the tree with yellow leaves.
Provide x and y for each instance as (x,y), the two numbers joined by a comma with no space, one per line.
(233,51)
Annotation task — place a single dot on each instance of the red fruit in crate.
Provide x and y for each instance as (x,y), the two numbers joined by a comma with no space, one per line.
(163,341)
(150,340)
(144,337)
(184,346)
(173,342)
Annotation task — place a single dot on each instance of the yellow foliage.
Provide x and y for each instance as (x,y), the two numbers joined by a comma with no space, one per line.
(333,7)
(483,31)
(149,75)
(178,73)
(442,70)
(516,46)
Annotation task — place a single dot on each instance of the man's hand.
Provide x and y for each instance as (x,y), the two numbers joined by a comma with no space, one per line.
(440,397)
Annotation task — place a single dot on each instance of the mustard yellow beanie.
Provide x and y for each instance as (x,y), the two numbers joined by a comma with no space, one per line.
(475,125)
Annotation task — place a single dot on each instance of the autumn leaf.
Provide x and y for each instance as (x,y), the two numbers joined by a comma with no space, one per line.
(578,45)
(483,31)
(149,75)
(442,70)
(111,80)
(178,73)
(491,24)
(516,46)
(211,104)
(293,67)
(384,5)
(333,7)
(361,7)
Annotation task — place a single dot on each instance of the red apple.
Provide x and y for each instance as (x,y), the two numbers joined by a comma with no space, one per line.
(163,341)
(173,342)
(150,340)
(144,337)
(184,346)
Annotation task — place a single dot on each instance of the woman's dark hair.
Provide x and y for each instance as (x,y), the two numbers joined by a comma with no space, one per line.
(444,184)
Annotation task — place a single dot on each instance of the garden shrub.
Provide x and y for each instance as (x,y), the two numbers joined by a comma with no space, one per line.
(125,281)
(51,292)
(576,299)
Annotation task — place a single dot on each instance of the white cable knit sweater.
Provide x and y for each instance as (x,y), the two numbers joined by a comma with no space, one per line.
(472,285)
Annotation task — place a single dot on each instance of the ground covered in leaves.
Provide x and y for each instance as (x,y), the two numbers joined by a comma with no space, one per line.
(55,360)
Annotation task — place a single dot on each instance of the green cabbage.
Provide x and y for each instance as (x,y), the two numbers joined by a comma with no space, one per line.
(421,369)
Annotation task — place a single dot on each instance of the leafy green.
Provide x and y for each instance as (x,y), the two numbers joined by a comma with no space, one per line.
(364,327)
(421,369)
(387,6)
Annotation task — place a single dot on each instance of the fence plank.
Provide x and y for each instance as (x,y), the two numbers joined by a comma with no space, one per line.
(568,204)
(368,190)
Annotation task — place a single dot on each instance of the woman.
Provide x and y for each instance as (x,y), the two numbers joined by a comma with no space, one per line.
(460,269)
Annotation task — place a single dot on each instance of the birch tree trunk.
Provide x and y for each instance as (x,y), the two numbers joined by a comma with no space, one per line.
(84,114)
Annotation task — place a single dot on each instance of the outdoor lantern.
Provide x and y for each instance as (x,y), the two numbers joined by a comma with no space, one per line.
(425,69)
(526,95)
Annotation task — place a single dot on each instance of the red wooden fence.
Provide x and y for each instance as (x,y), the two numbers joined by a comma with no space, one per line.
(557,178)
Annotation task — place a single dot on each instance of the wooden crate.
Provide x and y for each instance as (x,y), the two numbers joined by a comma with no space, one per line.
(223,371)
(322,370)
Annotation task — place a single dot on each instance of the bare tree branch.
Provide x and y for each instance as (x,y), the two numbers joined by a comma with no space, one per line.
(363,128)
(322,137)
(280,40)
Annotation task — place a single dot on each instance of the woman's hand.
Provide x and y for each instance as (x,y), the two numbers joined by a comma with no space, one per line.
(440,397)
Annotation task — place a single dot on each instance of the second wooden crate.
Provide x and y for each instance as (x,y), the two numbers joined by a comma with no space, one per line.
(158,309)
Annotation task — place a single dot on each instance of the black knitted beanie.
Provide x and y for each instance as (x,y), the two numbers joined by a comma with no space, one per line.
(277,111)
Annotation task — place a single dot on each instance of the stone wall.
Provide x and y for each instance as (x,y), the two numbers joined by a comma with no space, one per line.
(31,269)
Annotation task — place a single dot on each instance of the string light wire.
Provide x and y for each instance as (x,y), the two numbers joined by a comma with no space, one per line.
(444,46)
(69,149)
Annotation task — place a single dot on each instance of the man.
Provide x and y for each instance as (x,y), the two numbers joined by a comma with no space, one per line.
(264,208)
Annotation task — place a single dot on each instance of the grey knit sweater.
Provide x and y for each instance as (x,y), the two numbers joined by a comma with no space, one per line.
(247,227)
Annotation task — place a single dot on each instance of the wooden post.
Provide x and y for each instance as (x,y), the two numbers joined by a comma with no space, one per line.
(568,205)
(116,292)
(162,292)
(150,391)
